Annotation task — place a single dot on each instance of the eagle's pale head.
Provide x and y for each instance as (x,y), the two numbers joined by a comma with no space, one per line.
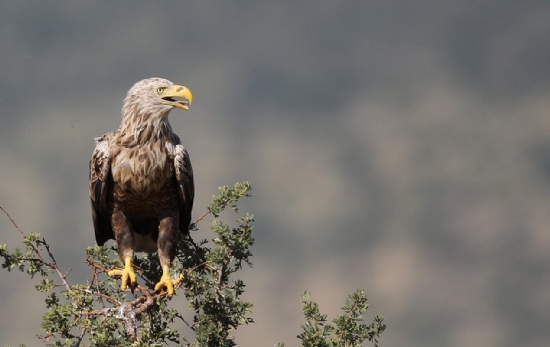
(155,97)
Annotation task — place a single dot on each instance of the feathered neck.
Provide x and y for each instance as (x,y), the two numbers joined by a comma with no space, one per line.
(142,126)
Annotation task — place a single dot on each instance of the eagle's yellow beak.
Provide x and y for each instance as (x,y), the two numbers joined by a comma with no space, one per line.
(177,91)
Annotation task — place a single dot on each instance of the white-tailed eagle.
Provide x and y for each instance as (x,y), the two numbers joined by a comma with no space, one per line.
(141,180)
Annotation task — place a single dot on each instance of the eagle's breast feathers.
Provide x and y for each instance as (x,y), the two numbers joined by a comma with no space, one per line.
(157,171)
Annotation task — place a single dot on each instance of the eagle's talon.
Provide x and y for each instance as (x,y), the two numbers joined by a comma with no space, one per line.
(168,283)
(126,274)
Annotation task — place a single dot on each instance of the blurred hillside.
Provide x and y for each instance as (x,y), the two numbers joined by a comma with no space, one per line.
(400,147)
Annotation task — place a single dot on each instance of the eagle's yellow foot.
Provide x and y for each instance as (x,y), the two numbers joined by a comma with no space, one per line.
(167,282)
(126,274)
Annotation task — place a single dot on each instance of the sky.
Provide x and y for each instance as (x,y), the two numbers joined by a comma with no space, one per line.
(399,147)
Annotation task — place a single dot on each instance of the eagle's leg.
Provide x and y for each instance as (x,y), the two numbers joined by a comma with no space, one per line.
(167,241)
(125,241)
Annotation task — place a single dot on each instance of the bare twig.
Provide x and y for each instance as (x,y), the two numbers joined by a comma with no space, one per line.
(183,319)
(102,312)
(81,336)
(12,221)
(95,265)
(201,217)
(56,268)
(149,300)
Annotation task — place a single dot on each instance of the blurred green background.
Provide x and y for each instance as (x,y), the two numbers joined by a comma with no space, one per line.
(401,147)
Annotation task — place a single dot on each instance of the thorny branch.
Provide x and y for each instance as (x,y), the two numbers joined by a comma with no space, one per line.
(126,311)
(141,303)
(52,265)
(97,297)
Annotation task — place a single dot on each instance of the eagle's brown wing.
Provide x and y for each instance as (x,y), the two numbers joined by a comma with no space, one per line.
(100,179)
(186,185)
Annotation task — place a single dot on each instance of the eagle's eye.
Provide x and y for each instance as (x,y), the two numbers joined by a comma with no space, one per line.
(161,90)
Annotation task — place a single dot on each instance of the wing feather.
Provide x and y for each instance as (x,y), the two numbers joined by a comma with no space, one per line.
(100,172)
(186,185)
